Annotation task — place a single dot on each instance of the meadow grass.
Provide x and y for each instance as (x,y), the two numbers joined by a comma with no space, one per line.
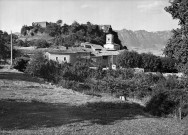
(31,106)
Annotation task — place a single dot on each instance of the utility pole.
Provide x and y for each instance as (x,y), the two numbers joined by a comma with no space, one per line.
(11,49)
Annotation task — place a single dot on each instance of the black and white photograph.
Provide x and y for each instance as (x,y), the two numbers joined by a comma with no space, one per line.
(93,67)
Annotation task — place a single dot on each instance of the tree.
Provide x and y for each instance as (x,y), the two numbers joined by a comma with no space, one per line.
(24,30)
(177,46)
(35,64)
(129,59)
(65,29)
(41,43)
(150,62)
(5,45)
(20,63)
(80,71)
(168,65)
(59,22)
(53,29)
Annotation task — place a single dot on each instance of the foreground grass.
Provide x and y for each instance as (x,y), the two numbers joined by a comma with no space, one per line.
(30,106)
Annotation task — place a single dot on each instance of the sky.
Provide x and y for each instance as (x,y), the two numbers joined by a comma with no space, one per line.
(133,15)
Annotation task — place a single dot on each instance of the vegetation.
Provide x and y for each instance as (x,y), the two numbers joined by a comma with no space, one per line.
(163,91)
(20,63)
(41,43)
(71,35)
(29,106)
(129,59)
(5,46)
(150,62)
(177,46)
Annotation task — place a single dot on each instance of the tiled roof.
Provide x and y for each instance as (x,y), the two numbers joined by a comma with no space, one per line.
(106,53)
(69,50)
(95,46)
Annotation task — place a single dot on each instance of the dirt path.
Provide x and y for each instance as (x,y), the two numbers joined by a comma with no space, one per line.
(30,106)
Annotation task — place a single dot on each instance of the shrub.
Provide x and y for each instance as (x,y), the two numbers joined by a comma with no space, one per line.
(129,59)
(20,63)
(41,43)
(35,65)
(21,43)
(80,71)
(69,84)
(29,43)
(161,105)
(150,62)
(127,73)
(168,65)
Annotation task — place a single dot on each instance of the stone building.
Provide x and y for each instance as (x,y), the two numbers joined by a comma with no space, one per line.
(42,24)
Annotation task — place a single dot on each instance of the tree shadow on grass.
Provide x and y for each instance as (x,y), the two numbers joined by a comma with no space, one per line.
(18,77)
(16,114)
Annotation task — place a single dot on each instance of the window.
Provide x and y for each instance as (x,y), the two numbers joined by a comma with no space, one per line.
(56,58)
(105,57)
(64,58)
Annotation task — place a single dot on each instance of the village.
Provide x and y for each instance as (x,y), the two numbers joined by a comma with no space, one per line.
(94,67)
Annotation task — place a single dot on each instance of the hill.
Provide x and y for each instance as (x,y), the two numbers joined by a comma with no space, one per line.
(30,106)
(142,40)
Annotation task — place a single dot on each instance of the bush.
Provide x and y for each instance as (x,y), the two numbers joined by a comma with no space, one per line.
(21,43)
(41,43)
(35,65)
(69,84)
(150,62)
(168,65)
(80,71)
(161,105)
(129,59)
(41,67)
(20,63)
(29,43)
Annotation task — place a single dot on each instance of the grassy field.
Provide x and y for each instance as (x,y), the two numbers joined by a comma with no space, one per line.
(28,105)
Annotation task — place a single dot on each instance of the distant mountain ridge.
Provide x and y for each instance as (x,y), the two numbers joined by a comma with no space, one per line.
(143,39)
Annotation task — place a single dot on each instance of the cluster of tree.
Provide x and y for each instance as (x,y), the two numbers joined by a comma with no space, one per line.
(53,71)
(39,43)
(5,39)
(148,61)
(74,34)
(177,46)
(165,93)
(31,29)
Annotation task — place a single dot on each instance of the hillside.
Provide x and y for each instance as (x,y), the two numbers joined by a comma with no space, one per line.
(30,106)
(146,41)
(44,36)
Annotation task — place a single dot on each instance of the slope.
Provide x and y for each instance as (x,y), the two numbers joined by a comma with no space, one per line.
(31,106)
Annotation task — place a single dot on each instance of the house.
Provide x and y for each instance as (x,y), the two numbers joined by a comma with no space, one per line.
(69,55)
(93,47)
(42,24)
(105,56)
